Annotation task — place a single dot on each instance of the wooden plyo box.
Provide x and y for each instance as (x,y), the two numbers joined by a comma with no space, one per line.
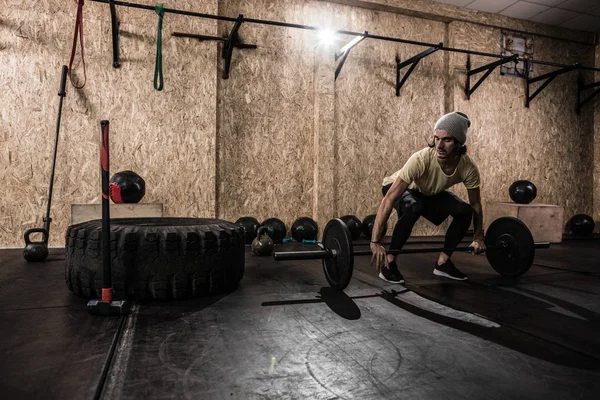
(88,212)
(545,221)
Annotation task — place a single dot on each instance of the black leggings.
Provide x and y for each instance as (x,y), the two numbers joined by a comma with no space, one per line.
(414,204)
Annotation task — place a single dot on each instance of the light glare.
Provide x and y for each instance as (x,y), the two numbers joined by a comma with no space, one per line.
(326,37)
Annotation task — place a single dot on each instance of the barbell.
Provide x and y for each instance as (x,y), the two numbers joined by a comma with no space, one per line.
(510,250)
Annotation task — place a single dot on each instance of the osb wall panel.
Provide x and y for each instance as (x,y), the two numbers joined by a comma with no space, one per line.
(377,131)
(265,137)
(266,117)
(547,143)
(278,138)
(268,149)
(363,117)
(324,138)
(166,136)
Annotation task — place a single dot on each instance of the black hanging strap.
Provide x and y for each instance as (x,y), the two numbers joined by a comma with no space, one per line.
(158,71)
(114,22)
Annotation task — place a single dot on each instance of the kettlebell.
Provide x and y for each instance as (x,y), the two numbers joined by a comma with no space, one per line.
(262,245)
(36,251)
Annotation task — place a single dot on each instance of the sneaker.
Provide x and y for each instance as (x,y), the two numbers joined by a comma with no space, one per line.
(448,270)
(391,274)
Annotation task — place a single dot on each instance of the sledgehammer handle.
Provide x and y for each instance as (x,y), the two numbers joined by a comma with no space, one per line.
(105,164)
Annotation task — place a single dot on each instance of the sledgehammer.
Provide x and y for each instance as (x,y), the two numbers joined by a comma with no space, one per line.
(106,306)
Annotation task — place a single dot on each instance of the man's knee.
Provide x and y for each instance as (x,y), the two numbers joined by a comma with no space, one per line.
(412,207)
(413,211)
(463,208)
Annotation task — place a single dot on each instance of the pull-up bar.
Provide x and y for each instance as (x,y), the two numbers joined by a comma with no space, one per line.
(341,32)
(363,35)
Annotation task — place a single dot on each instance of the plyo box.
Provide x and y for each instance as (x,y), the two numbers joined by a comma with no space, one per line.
(88,212)
(545,221)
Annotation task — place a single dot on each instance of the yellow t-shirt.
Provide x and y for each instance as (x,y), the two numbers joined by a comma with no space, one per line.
(422,172)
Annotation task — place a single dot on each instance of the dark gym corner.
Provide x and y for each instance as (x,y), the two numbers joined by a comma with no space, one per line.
(226,116)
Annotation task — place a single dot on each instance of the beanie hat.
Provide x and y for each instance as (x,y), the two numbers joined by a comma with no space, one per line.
(456,124)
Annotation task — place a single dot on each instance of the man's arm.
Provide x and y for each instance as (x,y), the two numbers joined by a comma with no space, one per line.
(386,207)
(475,201)
(379,259)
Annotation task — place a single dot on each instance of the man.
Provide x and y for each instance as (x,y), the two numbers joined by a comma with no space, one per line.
(419,189)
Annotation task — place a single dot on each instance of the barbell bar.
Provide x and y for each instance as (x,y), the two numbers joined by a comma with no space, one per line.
(510,250)
(326,253)
(503,245)
(387,242)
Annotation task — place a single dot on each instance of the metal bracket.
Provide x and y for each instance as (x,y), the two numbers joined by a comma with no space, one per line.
(580,88)
(549,77)
(114,21)
(344,51)
(229,43)
(414,61)
(199,37)
(489,68)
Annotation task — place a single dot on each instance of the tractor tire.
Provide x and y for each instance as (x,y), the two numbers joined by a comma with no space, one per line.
(156,258)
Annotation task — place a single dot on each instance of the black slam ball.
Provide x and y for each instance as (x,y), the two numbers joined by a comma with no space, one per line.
(582,225)
(367,225)
(276,229)
(354,225)
(127,187)
(304,228)
(522,192)
(250,225)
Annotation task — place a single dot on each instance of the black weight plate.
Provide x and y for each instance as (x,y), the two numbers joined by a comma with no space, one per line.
(338,270)
(514,248)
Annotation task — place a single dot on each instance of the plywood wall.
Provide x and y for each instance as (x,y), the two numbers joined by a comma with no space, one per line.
(377,131)
(266,111)
(547,143)
(168,137)
(280,137)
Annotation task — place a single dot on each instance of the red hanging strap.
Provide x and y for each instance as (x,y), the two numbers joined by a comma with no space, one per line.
(78,28)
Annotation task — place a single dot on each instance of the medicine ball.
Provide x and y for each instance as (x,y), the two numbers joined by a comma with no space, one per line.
(522,192)
(276,229)
(127,187)
(354,225)
(304,228)
(582,225)
(250,225)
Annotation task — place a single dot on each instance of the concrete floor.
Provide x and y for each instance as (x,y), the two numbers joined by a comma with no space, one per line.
(285,335)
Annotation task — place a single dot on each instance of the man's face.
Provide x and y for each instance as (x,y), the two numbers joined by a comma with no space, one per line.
(445,145)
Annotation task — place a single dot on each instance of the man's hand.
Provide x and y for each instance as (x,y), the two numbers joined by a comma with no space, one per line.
(478,246)
(379,258)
